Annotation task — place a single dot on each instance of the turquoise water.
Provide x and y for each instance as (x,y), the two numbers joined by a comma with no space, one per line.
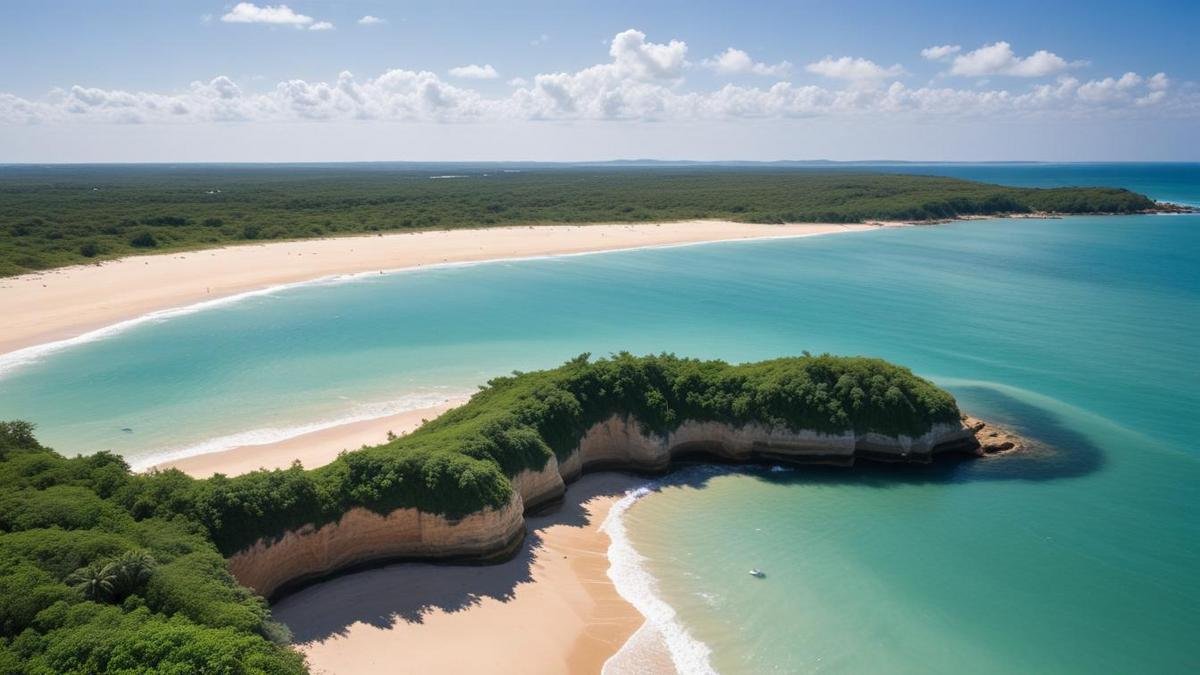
(1080,332)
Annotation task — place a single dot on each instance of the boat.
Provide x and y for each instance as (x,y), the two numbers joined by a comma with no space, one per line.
(757,573)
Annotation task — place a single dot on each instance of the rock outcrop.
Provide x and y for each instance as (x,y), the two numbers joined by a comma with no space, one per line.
(362,537)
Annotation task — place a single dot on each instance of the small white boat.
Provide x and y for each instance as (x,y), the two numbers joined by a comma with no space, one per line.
(757,573)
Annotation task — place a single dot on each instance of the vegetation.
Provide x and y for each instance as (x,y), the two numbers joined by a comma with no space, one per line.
(103,570)
(54,216)
(88,587)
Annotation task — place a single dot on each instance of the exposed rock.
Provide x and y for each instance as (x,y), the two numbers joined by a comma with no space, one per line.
(362,537)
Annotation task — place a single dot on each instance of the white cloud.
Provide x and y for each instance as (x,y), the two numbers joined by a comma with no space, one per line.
(474,72)
(641,81)
(939,52)
(633,56)
(248,12)
(737,62)
(854,70)
(321,25)
(369,20)
(998,59)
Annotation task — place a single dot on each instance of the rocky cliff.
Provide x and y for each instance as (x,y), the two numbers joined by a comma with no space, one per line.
(362,537)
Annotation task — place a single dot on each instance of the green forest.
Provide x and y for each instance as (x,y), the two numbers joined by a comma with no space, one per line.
(104,570)
(64,215)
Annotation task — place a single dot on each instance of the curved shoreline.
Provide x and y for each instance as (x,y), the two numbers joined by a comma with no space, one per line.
(552,608)
(59,308)
(608,639)
(362,538)
(311,447)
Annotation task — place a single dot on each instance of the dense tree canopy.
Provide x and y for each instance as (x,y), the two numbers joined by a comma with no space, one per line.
(103,570)
(53,216)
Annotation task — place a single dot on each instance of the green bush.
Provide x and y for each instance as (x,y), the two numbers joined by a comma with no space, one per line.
(47,214)
(104,570)
(143,239)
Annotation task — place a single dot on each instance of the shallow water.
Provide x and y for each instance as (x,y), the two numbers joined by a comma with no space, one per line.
(1081,332)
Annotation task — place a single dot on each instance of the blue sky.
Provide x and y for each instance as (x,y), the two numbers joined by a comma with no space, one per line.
(193,80)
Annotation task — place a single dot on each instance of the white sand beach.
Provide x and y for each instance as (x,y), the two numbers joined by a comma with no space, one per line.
(67,302)
(552,609)
(553,605)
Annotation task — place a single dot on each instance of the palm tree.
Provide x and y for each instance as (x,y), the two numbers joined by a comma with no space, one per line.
(114,580)
(130,572)
(95,582)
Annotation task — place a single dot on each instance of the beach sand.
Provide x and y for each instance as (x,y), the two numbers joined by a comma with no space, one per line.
(68,302)
(552,609)
(312,449)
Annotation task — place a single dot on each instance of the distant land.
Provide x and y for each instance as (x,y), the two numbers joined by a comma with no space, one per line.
(57,215)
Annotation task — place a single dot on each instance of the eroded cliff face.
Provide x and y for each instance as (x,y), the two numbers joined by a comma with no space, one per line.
(362,536)
(619,442)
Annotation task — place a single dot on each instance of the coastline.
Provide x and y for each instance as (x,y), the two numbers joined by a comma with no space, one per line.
(311,449)
(553,608)
(53,309)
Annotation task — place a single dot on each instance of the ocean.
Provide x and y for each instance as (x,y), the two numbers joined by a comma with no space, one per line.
(1081,333)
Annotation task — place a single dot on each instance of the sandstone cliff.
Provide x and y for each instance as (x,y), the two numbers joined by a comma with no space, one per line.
(362,537)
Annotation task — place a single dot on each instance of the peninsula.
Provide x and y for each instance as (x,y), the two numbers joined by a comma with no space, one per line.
(107,569)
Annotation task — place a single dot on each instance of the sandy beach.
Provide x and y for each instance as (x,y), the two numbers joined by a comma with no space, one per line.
(65,303)
(312,449)
(552,609)
(553,605)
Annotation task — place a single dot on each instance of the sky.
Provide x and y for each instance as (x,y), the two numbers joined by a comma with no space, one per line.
(372,80)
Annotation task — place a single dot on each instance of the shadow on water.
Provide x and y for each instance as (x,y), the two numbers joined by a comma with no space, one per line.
(1057,452)
(407,592)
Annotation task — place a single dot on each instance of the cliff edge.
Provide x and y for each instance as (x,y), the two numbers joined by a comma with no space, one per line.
(361,537)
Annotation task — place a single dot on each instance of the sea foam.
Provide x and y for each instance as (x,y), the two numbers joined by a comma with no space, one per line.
(634,583)
(268,435)
(15,359)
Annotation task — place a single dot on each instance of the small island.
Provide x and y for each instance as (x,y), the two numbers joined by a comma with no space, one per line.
(104,569)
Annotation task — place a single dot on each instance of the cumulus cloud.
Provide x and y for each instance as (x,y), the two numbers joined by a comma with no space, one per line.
(939,52)
(248,12)
(321,25)
(475,72)
(369,20)
(641,80)
(737,62)
(633,56)
(998,58)
(854,70)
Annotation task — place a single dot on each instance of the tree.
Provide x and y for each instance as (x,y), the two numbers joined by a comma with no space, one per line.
(130,572)
(94,582)
(143,239)
(116,579)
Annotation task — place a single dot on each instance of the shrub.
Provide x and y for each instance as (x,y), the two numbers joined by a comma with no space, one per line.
(143,239)
(105,570)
